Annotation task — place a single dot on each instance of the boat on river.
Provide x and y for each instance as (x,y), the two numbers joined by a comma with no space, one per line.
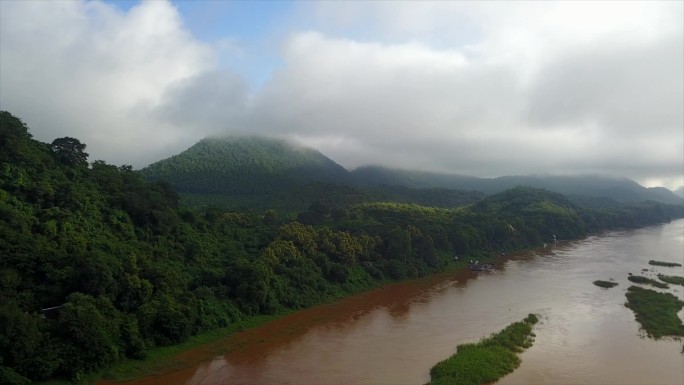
(481,267)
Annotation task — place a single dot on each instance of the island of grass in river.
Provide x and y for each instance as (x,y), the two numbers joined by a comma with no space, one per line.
(606,284)
(488,360)
(647,281)
(656,312)
(661,263)
(673,279)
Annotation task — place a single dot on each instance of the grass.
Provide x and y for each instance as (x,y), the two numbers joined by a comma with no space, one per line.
(661,263)
(647,281)
(488,360)
(656,312)
(606,284)
(673,279)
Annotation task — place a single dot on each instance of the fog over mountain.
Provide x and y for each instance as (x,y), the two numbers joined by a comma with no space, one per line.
(474,88)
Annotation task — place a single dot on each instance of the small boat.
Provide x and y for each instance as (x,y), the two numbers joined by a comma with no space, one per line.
(483,267)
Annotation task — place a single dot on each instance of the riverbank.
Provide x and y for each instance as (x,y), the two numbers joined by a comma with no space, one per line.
(201,348)
(161,360)
(167,359)
(433,314)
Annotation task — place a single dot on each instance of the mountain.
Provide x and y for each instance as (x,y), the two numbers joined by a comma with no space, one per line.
(245,166)
(617,189)
(679,192)
(256,173)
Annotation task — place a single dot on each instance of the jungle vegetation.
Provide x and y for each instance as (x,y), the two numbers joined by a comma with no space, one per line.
(97,264)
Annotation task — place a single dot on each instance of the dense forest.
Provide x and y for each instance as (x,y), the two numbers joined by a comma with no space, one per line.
(244,166)
(97,264)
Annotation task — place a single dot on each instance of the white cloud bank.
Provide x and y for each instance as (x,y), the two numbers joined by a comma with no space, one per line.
(88,70)
(473,88)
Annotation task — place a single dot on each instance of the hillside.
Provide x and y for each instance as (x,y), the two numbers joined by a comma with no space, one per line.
(245,166)
(617,189)
(256,174)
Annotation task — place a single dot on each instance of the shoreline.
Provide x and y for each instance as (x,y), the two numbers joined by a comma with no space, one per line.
(176,358)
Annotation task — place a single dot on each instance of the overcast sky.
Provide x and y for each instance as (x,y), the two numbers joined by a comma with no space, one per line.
(474,88)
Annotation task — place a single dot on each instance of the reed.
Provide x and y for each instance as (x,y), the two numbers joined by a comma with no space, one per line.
(673,279)
(488,360)
(661,263)
(647,281)
(606,284)
(656,312)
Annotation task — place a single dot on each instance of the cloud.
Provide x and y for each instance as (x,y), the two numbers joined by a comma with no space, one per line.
(88,70)
(477,88)
(542,88)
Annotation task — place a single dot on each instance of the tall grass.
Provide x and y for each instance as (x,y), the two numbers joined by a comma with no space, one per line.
(656,312)
(673,279)
(647,281)
(661,263)
(606,284)
(488,360)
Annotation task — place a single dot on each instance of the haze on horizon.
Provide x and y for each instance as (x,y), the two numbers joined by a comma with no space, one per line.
(472,88)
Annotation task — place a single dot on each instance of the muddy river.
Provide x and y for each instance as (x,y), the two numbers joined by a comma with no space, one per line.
(393,335)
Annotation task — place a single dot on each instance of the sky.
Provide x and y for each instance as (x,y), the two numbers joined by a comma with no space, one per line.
(472,88)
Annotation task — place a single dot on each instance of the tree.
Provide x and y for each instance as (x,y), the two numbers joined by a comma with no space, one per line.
(14,136)
(70,151)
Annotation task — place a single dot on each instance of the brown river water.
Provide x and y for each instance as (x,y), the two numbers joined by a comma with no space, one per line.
(393,335)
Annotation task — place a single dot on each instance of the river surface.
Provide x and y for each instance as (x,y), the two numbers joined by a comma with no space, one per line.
(393,335)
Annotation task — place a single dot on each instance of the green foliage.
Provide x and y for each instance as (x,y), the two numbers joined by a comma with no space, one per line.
(70,151)
(244,166)
(673,279)
(661,263)
(9,377)
(656,312)
(605,284)
(488,360)
(646,281)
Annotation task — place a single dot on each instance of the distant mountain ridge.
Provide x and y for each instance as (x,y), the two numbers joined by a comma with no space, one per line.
(272,169)
(618,189)
(679,192)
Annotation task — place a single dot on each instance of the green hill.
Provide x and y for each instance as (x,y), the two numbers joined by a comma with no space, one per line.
(256,174)
(245,166)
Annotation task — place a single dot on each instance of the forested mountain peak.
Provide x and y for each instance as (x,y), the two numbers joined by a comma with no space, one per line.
(244,165)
